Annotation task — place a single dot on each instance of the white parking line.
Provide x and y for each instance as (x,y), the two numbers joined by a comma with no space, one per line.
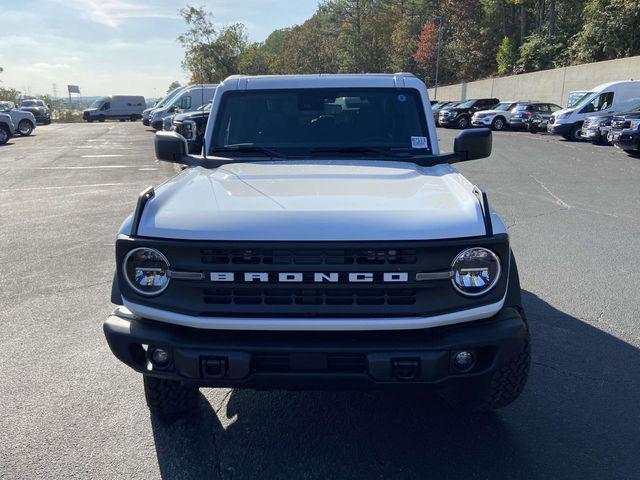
(101,156)
(94,185)
(90,167)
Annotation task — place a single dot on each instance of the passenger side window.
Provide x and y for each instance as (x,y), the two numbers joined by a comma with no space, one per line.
(601,102)
(543,108)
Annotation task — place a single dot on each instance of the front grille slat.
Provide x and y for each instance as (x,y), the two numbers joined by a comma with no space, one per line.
(288,296)
(309,257)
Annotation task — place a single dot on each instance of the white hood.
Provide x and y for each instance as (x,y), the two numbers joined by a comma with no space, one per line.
(315,200)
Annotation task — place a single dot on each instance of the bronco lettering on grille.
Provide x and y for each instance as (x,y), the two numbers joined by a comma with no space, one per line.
(312,277)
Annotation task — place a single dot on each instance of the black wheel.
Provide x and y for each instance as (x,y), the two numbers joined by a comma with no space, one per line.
(4,135)
(47,122)
(575,135)
(133,118)
(533,128)
(502,389)
(566,136)
(463,122)
(498,124)
(25,128)
(168,398)
(101,118)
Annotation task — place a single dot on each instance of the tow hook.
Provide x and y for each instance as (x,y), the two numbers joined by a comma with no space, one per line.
(405,369)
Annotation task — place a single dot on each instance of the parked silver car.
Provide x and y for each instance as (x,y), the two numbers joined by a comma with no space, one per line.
(25,122)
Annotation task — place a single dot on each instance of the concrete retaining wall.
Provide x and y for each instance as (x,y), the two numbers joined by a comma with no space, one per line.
(547,85)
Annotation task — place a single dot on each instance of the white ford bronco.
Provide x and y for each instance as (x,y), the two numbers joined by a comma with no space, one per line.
(321,241)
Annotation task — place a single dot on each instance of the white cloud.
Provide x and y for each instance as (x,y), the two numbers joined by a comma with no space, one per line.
(113,12)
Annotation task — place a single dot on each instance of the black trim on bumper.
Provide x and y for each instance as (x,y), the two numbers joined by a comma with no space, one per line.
(157,125)
(628,141)
(562,128)
(311,360)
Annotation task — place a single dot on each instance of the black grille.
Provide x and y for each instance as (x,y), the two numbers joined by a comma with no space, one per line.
(333,363)
(336,297)
(618,123)
(259,256)
(309,296)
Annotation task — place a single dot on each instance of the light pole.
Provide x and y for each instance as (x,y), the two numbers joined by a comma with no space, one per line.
(435,90)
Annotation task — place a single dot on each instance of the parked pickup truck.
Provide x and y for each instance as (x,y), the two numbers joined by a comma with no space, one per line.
(191,126)
(321,241)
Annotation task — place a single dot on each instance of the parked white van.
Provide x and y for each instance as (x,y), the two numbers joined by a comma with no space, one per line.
(146,114)
(605,98)
(188,100)
(119,107)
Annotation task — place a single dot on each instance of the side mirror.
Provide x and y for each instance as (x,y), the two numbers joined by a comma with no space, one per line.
(171,147)
(473,144)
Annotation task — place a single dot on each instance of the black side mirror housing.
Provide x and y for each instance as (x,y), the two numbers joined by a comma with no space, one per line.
(171,147)
(473,144)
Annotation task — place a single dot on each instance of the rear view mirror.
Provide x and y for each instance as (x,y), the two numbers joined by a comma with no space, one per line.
(473,144)
(170,147)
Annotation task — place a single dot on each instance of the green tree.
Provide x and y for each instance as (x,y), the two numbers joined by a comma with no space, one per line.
(507,56)
(254,60)
(8,94)
(210,55)
(537,53)
(175,84)
(610,30)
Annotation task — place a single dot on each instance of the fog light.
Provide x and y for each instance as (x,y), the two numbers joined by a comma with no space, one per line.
(160,357)
(464,360)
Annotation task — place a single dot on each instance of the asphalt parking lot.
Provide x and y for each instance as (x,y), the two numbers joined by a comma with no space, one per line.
(69,409)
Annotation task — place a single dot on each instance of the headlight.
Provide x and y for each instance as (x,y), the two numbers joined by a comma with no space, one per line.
(188,128)
(634,123)
(475,271)
(146,271)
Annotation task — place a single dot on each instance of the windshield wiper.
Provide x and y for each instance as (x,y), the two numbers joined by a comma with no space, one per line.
(371,150)
(248,149)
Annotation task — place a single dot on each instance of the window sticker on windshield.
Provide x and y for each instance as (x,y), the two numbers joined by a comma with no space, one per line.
(419,142)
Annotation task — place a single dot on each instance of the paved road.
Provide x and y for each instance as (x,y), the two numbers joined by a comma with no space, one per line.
(70,410)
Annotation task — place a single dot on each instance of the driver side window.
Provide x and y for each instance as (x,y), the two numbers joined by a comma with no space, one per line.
(184,103)
(601,102)
(106,106)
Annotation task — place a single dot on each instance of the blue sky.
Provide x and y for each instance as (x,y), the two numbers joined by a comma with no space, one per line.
(116,46)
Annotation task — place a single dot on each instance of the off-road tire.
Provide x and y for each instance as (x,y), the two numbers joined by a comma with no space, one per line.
(463,122)
(501,390)
(168,398)
(498,124)
(25,128)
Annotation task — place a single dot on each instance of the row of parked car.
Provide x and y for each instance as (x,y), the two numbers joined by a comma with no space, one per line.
(184,110)
(22,120)
(607,114)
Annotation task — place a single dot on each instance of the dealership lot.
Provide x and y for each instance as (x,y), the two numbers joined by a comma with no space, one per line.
(70,410)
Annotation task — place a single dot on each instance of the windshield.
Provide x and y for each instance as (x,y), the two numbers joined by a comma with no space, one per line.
(169,97)
(503,107)
(28,103)
(311,119)
(4,108)
(98,102)
(467,104)
(583,100)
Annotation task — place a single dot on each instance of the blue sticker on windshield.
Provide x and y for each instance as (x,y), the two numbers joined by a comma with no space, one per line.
(402,98)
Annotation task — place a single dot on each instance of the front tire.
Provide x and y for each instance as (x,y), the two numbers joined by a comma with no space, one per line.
(504,386)
(101,118)
(4,135)
(498,124)
(168,398)
(575,135)
(25,128)
(463,122)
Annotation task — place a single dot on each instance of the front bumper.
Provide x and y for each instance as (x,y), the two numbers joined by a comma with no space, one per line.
(447,121)
(311,360)
(146,122)
(481,122)
(157,124)
(590,133)
(628,140)
(560,128)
